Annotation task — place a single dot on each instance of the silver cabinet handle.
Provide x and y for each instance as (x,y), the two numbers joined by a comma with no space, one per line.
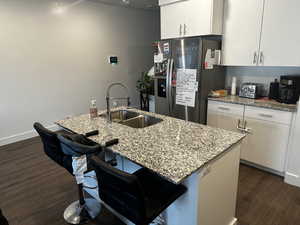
(239,123)
(184,29)
(224,108)
(180,30)
(265,115)
(261,58)
(255,58)
(243,129)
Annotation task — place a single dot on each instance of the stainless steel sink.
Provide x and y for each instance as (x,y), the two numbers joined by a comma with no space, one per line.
(141,121)
(121,115)
(133,119)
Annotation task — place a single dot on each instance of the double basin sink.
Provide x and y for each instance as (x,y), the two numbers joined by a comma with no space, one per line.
(132,119)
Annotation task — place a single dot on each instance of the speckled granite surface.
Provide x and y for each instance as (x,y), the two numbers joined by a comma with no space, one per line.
(172,148)
(268,104)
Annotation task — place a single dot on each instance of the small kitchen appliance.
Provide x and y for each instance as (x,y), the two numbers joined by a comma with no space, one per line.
(274,90)
(289,89)
(251,90)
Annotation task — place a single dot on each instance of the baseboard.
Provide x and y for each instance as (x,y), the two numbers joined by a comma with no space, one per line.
(262,168)
(23,136)
(292,179)
(233,222)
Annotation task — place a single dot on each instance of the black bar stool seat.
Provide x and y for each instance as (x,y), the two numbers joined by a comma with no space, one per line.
(3,220)
(140,197)
(61,149)
(81,149)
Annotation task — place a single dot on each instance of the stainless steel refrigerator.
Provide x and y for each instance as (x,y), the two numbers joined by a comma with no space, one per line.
(172,56)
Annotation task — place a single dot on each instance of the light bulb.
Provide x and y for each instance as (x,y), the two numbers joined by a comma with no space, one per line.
(126,2)
(58,8)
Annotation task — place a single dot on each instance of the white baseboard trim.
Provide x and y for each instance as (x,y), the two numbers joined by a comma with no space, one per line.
(292,179)
(262,168)
(23,136)
(234,221)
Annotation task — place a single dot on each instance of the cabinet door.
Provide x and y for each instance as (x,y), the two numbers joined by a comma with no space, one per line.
(212,118)
(172,19)
(222,118)
(242,29)
(203,17)
(224,115)
(229,122)
(267,143)
(280,33)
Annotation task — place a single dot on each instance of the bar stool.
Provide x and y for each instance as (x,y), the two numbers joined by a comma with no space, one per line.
(83,209)
(81,149)
(139,197)
(3,220)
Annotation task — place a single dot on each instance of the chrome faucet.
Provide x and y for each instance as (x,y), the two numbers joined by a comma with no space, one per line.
(108,98)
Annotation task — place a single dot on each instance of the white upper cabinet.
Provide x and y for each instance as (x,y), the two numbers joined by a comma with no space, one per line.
(171,19)
(242,28)
(204,17)
(186,18)
(280,41)
(261,33)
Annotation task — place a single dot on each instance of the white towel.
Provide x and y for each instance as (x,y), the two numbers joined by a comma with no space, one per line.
(79,165)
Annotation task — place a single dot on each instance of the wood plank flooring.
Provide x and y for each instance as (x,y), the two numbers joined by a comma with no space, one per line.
(35,191)
(264,199)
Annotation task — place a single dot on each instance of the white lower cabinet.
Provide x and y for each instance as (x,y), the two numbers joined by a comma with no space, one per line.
(266,144)
(223,115)
(267,131)
(268,137)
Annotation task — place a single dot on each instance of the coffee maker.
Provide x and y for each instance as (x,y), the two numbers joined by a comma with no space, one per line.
(289,89)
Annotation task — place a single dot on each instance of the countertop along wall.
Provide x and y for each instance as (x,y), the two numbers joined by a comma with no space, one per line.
(266,75)
(263,75)
(52,65)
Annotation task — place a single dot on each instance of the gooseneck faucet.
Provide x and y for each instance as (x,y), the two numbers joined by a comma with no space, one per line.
(108,98)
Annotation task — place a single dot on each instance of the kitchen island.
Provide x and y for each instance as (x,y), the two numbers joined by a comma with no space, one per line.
(204,159)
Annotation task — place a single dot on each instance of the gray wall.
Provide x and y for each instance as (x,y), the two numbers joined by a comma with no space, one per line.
(263,75)
(52,65)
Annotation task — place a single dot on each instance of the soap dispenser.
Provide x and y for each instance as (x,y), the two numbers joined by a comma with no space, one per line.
(93,109)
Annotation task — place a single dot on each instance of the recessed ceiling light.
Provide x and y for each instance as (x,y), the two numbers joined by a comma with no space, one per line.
(58,8)
(126,2)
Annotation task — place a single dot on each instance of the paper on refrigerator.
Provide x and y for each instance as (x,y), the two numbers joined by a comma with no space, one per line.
(186,87)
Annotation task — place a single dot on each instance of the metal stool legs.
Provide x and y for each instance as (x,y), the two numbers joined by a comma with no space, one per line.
(82,210)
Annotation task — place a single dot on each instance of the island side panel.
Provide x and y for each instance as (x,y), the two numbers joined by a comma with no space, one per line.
(212,194)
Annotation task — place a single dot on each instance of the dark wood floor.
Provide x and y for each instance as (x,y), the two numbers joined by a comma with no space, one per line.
(35,191)
(264,199)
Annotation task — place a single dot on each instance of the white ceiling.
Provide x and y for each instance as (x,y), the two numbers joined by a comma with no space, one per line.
(140,4)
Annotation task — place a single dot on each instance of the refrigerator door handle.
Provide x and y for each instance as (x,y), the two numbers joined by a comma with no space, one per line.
(170,74)
(167,83)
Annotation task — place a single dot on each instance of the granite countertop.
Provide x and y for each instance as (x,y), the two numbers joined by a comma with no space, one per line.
(173,148)
(262,103)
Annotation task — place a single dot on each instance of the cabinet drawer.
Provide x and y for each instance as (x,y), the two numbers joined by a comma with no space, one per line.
(268,115)
(229,108)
